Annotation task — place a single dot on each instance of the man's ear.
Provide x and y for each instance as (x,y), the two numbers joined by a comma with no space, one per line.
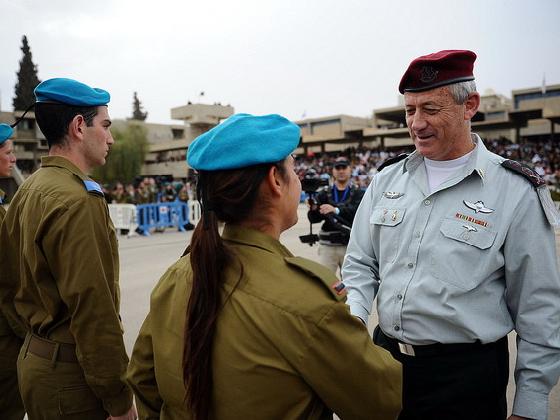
(471,105)
(76,126)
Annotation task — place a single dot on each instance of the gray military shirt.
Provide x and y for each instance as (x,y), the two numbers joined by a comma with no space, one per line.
(471,261)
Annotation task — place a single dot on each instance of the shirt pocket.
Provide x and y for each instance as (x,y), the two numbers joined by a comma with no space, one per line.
(385,222)
(463,256)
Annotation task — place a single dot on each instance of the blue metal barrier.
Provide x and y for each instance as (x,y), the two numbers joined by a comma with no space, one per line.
(162,215)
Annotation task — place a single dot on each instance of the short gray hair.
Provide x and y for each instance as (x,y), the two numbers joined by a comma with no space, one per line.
(461,91)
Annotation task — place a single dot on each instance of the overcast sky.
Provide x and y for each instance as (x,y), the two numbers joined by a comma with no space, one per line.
(292,57)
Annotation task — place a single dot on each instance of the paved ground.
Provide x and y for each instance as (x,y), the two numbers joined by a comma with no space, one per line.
(144,260)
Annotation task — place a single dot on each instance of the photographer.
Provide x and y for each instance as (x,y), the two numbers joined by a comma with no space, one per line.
(336,205)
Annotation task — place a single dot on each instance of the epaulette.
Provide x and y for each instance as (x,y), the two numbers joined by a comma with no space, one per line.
(548,206)
(392,160)
(524,170)
(322,273)
(93,187)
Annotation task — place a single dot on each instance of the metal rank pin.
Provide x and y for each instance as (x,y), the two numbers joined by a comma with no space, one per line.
(394,215)
(385,211)
(466,235)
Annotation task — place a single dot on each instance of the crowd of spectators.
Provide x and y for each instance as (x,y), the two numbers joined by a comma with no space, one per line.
(543,157)
(149,190)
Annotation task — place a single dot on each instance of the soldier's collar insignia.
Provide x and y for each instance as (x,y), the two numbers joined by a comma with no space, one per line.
(478,207)
(392,195)
(339,288)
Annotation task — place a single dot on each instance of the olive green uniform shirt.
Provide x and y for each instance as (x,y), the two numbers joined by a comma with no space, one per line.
(61,270)
(11,406)
(286,346)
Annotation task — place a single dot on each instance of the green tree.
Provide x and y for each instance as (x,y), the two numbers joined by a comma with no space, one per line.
(126,157)
(137,112)
(27,79)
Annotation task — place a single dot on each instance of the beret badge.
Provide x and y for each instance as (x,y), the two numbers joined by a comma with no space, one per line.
(428,74)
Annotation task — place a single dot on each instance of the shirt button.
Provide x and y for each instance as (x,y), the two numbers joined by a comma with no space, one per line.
(399,296)
(410,265)
(427,202)
(396,328)
(417,234)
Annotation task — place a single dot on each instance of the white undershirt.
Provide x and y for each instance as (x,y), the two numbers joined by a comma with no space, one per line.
(440,171)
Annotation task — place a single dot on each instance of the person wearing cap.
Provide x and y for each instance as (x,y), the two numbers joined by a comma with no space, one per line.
(239,327)
(60,273)
(337,205)
(11,330)
(458,246)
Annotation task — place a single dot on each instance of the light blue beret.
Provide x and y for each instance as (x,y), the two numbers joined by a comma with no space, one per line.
(5,132)
(70,92)
(244,140)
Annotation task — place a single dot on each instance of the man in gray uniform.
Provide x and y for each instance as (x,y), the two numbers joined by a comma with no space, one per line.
(458,245)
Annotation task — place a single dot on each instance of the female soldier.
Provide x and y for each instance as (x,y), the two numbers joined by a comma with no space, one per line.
(239,327)
(11,406)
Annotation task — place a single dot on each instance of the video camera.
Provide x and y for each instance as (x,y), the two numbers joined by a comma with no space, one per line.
(311,184)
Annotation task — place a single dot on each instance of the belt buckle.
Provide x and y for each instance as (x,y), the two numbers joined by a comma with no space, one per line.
(406,349)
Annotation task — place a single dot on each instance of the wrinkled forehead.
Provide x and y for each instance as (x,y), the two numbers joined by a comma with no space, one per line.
(437,96)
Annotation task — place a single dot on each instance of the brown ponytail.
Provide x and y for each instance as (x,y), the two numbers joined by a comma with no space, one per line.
(227,196)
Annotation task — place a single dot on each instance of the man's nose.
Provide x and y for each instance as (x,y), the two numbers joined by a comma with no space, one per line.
(418,121)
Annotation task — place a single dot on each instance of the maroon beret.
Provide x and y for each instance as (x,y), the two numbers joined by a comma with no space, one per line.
(438,69)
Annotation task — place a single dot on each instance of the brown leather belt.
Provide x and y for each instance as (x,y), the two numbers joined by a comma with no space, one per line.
(46,349)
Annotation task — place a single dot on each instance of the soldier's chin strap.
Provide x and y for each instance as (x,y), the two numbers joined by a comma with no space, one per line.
(23,115)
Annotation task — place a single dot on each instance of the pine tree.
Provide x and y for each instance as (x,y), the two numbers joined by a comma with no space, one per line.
(27,79)
(137,113)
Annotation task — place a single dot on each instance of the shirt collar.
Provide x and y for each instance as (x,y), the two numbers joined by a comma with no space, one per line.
(477,163)
(62,162)
(251,237)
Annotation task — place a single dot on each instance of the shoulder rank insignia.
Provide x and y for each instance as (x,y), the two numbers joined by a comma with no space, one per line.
(478,207)
(339,288)
(391,161)
(533,177)
(93,187)
(550,210)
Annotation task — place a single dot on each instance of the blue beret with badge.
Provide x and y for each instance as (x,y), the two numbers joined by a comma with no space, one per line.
(244,140)
(70,92)
(6,132)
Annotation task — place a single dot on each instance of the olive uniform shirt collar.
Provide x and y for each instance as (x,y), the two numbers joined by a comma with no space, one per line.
(62,162)
(477,165)
(252,237)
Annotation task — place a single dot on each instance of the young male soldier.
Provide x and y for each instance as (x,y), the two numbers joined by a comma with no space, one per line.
(11,334)
(337,203)
(61,269)
(458,245)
